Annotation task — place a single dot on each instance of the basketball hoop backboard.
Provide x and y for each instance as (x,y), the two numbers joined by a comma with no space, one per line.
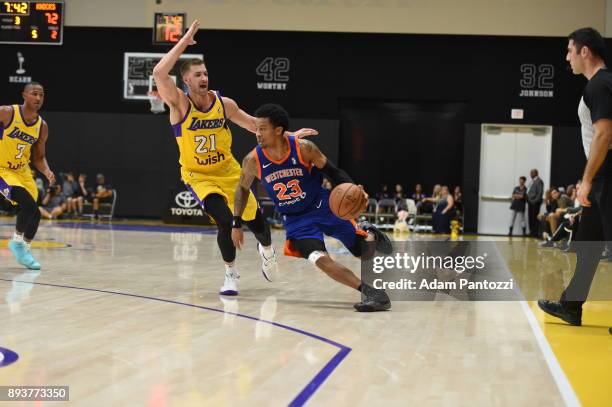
(138,71)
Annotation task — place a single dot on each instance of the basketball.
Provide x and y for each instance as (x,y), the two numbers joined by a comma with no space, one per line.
(346,201)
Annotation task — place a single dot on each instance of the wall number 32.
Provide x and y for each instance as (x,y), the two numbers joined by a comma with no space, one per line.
(540,75)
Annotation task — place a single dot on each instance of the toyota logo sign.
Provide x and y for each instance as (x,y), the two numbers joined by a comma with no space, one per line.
(185,200)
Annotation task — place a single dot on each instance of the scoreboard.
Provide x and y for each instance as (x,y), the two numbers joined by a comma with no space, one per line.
(168,28)
(31,22)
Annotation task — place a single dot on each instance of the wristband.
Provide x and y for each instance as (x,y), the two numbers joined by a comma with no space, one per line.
(237,223)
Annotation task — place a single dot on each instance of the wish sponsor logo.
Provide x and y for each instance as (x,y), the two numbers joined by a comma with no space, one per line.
(210,159)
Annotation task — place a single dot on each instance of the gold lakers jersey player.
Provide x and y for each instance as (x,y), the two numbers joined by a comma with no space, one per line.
(207,165)
(16,140)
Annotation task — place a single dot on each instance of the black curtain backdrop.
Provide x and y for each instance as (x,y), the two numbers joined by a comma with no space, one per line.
(402,143)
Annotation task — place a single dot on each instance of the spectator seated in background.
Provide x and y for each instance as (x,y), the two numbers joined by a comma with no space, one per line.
(458,197)
(54,203)
(563,203)
(384,193)
(83,194)
(70,187)
(551,206)
(444,212)
(399,193)
(427,205)
(565,231)
(418,195)
(103,194)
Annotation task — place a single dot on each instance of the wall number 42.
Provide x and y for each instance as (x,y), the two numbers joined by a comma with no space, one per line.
(273,69)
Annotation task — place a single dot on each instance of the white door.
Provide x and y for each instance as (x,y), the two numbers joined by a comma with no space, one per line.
(506,153)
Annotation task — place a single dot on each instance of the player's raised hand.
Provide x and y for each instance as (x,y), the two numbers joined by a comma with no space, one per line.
(190,34)
(301,133)
(238,237)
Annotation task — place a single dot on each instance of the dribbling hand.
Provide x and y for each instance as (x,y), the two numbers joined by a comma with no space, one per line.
(366,197)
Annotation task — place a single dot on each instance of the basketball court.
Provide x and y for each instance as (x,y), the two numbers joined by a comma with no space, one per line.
(128,314)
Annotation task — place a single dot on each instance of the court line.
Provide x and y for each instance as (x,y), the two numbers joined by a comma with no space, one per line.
(565,388)
(308,390)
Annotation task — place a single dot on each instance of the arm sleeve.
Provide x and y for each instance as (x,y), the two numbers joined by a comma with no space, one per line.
(598,97)
(335,174)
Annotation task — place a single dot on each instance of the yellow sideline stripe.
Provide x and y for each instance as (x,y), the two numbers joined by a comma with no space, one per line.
(39,245)
(585,352)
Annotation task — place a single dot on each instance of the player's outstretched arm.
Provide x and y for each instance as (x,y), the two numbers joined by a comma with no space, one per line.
(246,121)
(39,158)
(241,196)
(161,73)
(237,115)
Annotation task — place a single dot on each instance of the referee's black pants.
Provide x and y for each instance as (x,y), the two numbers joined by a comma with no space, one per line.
(594,231)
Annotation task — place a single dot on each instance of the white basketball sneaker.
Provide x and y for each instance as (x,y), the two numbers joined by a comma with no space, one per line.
(269,268)
(230,286)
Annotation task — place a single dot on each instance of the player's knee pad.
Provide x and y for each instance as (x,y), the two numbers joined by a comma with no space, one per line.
(316,255)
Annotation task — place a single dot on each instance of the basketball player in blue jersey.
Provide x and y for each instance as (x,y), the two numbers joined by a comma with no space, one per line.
(23,134)
(208,168)
(292,172)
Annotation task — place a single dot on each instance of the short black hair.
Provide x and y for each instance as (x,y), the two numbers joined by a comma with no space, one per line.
(590,38)
(29,84)
(523,178)
(277,115)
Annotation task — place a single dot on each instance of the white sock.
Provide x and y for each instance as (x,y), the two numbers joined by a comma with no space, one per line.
(230,269)
(268,251)
(29,245)
(17,238)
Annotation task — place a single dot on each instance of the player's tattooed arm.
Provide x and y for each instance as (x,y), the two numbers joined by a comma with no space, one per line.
(249,171)
(311,154)
(39,158)
(247,175)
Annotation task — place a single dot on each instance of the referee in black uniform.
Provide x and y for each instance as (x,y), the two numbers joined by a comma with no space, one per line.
(585,53)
